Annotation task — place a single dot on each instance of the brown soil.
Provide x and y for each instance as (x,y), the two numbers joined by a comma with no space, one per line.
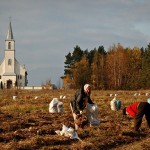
(26,124)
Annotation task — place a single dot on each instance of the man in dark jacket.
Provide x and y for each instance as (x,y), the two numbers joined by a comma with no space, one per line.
(137,111)
(80,100)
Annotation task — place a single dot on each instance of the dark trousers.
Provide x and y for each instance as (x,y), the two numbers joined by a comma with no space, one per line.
(143,109)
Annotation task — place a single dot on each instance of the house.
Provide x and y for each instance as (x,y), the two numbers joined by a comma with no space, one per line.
(12,74)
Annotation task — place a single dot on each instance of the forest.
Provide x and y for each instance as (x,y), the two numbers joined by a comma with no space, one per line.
(118,68)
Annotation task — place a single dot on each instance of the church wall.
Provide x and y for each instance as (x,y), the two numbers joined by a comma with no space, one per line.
(2,67)
(20,72)
(6,78)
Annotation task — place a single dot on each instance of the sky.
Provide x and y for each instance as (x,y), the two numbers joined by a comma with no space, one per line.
(45,31)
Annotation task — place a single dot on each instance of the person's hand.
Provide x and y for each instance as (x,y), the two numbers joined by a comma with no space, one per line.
(81,112)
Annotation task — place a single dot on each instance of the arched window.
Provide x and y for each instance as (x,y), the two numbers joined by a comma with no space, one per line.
(9,45)
(9,62)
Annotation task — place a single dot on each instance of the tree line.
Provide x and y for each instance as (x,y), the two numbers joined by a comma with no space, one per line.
(117,69)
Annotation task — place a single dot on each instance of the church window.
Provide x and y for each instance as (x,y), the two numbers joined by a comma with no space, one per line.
(20,76)
(9,62)
(0,77)
(9,45)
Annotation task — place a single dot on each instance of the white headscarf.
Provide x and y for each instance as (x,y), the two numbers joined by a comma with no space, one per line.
(86,87)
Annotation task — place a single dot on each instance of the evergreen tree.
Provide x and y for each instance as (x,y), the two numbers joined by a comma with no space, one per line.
(68,64)
(91,56)
(101,50)
(77,54)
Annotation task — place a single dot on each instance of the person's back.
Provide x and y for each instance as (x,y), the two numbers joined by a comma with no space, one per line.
(137,111)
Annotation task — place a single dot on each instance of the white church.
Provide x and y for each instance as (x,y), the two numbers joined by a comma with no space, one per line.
(12,74)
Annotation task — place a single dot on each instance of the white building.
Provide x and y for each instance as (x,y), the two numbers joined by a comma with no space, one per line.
(12,74)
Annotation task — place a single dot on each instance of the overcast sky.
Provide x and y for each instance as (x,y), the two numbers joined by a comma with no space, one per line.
(45,31)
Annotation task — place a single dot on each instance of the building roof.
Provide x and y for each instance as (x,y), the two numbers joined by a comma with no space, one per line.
(10,33)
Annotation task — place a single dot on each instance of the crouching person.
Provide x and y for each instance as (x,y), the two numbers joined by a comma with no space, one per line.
(79,102)
(137,111)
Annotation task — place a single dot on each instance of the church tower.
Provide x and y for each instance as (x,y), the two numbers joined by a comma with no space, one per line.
(12,74)
(10,52)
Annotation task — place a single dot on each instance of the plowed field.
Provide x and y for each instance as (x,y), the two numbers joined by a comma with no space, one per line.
(26,124)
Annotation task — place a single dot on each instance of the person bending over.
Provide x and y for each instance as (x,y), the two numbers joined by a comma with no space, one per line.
(137,111)
(80,100)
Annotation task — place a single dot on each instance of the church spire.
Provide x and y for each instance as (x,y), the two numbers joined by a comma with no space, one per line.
(10,33)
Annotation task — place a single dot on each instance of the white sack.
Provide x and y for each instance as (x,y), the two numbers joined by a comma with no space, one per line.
(92,114)
(55,106)
(68,132)
(113,104)
(60,107)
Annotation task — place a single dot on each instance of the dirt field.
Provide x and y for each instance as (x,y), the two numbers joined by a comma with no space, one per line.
(26,124)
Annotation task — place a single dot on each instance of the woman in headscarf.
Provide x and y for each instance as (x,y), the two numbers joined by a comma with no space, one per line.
(80,100)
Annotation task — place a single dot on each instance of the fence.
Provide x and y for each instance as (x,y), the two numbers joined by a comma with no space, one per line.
(31,88)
